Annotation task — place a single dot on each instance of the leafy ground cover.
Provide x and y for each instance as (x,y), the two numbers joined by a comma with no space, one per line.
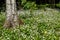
(38,25)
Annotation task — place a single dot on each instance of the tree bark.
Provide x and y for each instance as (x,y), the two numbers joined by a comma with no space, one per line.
(11,14)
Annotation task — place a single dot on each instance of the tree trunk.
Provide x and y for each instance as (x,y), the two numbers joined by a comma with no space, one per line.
(11,14)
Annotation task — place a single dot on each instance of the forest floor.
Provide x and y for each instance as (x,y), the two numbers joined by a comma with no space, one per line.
(38,25)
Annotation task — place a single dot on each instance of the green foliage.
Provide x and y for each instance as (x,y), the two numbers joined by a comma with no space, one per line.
(58,5)
(32,5)
(29,5)
(23,2)
(2,19)
(43,6)
(41,25)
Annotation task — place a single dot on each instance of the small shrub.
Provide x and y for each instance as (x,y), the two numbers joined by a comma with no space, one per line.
(28,5)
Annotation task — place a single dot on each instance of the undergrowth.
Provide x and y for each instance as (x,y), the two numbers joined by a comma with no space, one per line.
(41,25)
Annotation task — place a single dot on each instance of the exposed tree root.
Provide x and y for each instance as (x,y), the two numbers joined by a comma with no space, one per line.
(11,24)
